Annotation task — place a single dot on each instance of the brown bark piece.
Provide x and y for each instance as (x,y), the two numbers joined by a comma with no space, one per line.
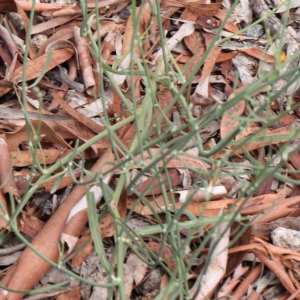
(46,242)
(84,61)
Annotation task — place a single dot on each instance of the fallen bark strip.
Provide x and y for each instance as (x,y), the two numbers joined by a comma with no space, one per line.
(78,216)
(208,281)
(278,270)
(30,267)
(243,287)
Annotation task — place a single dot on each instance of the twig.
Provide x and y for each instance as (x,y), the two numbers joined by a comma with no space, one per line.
(13,249)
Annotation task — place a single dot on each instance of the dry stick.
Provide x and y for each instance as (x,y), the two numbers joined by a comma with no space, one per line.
(13,249)
(243,287)
(30,267)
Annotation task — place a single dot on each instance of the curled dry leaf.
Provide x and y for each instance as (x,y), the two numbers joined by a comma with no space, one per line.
(84,61)
(63,34)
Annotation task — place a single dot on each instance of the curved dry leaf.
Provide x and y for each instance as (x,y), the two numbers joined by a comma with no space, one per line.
(41,27)
(103,3)
(22,183)
(207,22)
(143,23)
(87,243)
(77,115)
(17,114)
(14,139)
(63,34)
(229,26)
(259,54)
(75,128)
(30,225)
(180,161)
(226,56)
(230,119)
(63,12)
(193,41)
(35,66)
(230,283)
(25,20)
(201,7)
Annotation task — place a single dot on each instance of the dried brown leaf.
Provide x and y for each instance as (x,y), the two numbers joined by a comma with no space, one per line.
(35,66)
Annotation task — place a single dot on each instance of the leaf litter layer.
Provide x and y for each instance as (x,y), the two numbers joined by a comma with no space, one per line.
(150,150)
